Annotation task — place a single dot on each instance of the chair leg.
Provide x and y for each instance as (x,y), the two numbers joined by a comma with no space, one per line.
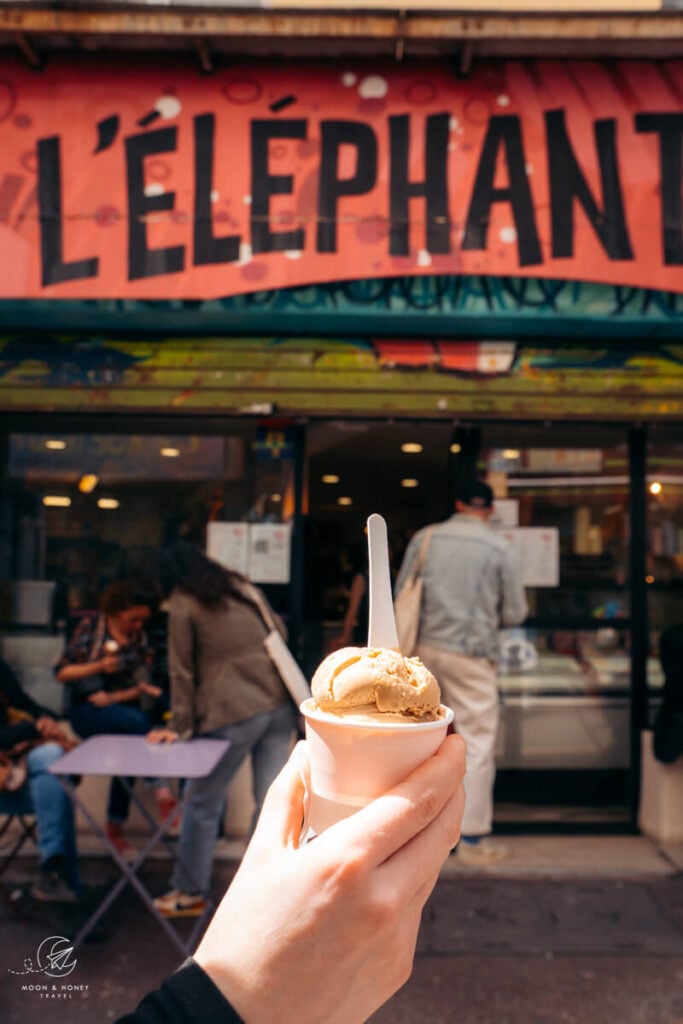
(9,855)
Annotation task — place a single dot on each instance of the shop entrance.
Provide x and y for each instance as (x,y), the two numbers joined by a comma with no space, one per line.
(564,495)
(81,509)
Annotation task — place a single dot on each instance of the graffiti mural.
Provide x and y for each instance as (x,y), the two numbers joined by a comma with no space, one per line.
(327,376)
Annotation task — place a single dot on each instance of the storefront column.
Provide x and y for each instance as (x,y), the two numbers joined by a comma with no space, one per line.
(297,581)
(637,444)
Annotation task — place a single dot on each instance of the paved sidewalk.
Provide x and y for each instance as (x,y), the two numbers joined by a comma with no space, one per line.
(569,930)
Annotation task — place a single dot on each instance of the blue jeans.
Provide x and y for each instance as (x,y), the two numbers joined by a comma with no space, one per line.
(117,719)
(267,737)
(52,807)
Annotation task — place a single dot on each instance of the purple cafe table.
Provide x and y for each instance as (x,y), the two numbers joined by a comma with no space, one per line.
(133,757)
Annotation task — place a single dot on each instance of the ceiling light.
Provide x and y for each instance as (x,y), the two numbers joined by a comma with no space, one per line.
(655,487)
(649,579)
(411,446)
(345,501)
(511,453)
(54,445)
(56,501)
(88,483)
(107,503)
(170,453)
(410,482)
(330,478)
(276,497)
(455,448)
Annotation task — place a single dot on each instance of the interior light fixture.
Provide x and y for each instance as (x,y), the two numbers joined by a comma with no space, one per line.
(56,501)
(649,579)
(169,453)
(511,453)
(55,445)
(88,483)
(345,501)
(276,497)
(455,448)
(330,478)
(655,487)
(410,482)
(107,503)
(411,446)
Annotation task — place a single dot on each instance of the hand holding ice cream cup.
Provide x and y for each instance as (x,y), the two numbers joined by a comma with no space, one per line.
(374,715)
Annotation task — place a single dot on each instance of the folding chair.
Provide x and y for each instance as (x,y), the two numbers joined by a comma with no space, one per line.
(17,822)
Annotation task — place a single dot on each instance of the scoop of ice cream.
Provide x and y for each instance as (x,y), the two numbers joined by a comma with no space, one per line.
(376,679)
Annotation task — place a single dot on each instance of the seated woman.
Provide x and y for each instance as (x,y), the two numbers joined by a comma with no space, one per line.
(106,667)
(30,730)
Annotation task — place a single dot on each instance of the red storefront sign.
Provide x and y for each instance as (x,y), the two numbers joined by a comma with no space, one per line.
(119,180)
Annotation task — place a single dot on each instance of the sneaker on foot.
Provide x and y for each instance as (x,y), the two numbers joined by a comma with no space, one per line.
(180,904)
(120,843)
(50,887)
(480,854)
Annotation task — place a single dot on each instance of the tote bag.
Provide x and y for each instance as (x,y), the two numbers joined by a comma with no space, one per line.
(279,653)
(408,603)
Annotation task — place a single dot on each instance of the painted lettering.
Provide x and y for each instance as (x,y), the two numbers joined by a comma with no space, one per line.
(334,135)
(669,128)
(54,268)
(264,185)
(207,248)
(568,185)
(143,261)
(504,132)
(433,187)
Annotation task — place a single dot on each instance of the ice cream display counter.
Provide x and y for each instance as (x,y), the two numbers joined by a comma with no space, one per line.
(566,713)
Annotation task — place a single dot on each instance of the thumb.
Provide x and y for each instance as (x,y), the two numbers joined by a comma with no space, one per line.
(282,816)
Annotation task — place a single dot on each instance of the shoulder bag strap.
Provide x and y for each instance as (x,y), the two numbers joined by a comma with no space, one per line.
(419,562)
(254,596)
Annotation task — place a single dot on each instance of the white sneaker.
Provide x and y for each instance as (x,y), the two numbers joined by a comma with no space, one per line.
(480,854)
(180,904)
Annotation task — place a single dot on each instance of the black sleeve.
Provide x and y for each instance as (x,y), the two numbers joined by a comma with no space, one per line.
(186,997)
(10,735)
(668,734)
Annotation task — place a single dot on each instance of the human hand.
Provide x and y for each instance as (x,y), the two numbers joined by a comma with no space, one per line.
(324,933)
(109,663)
(50,729)
(162,736)
(101,699)
(149,688)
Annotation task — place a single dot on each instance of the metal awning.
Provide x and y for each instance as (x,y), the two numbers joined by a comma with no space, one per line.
(465,31)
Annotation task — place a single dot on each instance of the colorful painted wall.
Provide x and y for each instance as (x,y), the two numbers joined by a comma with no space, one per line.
(327,377)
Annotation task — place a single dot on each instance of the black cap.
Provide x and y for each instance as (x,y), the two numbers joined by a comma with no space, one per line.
(475,493)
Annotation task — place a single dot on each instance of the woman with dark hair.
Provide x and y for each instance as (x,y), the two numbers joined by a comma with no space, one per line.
(223,685)
(106,668)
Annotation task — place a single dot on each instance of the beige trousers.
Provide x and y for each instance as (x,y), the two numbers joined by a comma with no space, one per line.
(468,686)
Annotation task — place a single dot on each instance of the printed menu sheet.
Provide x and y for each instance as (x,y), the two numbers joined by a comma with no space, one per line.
(538,550)
(260,551)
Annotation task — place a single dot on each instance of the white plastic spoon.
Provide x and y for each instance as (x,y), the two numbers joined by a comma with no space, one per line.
(382,623)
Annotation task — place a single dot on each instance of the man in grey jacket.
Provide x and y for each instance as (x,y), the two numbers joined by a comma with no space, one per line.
(471,589)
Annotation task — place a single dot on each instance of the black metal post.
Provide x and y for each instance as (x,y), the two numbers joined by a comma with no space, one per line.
(297,581)
(640,641)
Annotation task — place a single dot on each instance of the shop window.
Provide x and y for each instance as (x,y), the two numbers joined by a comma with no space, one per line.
(85,509)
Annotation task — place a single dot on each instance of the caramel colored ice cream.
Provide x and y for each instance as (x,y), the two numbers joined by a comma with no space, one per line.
(373,682)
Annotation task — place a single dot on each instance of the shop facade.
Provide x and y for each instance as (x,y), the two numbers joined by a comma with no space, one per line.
(485,270)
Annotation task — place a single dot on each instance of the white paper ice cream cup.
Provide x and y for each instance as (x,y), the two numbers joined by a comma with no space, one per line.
(353,762)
